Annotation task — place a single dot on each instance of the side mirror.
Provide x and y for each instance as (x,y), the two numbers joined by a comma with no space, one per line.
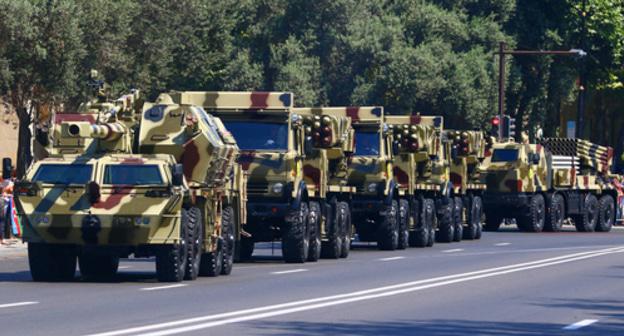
(93,192)
(307,145)
(454,153)
(7,167)
(395,148)
(177,171)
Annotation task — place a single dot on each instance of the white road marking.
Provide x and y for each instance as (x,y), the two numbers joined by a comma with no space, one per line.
(198,323)
(392,258)
(18,304)
(452,250)
(291,271)
(502,244)
(124,267)
(580,324)
(163,287)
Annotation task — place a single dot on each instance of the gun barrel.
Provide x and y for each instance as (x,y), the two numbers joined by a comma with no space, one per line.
(108,131)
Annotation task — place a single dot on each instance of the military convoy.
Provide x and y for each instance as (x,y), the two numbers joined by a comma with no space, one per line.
(195,179)
(543,185)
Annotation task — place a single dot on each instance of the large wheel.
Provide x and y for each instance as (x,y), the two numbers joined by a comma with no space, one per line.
(314,221)
(404,217)
(228,229)
(606,216)
(474,213)
(431,220)
(534,219)
(296,236)
(171,258)
(556,213)
(331,248)
(446,229)
(50,262)
(345,226)
(388,230)
(98,266)
(192,218)
(458,219)
(587,221)
(419,234)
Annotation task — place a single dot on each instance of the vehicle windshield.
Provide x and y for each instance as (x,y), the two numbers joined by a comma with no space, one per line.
(63,173)
(132,174)
(505,155)
(366,143)
(251,135)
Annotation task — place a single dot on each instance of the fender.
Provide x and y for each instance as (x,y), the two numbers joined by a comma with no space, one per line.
(301,192)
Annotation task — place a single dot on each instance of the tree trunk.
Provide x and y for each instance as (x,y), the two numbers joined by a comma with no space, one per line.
(24,150)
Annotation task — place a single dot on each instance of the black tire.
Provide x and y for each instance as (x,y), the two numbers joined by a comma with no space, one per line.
(52,263)
(244,249)
(404,216)
(429,211)
(388,230)
(474,211)
(171,258)
(331,248)
(195,229)
(314,221)
(345,225)
(98,266)
(296,236)
(606,216)
(535,217)
(556,213)
(458,219)
(228,229)
(419,234)
(446,228)
(587,221)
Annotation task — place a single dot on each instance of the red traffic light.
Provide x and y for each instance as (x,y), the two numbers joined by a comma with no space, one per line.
(495,121)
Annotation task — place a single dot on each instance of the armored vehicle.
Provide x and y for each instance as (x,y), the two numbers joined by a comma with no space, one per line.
(123,178)
(272,143)
(375,205)
(541,185)
(421,170)
(329,144)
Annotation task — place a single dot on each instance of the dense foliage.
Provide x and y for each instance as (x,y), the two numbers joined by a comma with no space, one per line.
(431,56)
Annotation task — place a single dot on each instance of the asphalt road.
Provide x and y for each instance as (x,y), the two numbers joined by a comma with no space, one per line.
(508,283)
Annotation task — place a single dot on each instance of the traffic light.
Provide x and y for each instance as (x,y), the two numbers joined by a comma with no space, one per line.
(495,126)
(509,127)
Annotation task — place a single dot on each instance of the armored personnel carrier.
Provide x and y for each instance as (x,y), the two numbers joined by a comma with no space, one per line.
(542,185)
(123,179)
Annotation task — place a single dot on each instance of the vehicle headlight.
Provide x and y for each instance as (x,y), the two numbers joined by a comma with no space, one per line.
(372,187)
(277,188)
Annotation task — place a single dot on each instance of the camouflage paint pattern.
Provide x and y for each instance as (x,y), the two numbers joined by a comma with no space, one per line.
(468,149)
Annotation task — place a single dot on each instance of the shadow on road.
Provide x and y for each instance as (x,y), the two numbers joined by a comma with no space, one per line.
(613,309)
(432,328)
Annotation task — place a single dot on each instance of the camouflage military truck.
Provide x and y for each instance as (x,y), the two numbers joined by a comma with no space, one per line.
(94,200)
(540,185)
(468,150)
(329,144)
(421,171)
(272,142)
(375,204)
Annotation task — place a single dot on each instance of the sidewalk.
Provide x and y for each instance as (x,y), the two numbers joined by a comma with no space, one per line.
(13,248)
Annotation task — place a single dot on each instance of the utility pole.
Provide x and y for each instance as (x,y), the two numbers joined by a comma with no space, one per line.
(582,77)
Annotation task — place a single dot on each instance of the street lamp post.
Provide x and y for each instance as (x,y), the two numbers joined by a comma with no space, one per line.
(502,52)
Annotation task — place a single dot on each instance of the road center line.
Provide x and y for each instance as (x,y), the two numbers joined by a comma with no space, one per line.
(452,250)
(298,270)
(580,324)
(18,304)
(315,303)
(163,287)
(392,258)
(502,244)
